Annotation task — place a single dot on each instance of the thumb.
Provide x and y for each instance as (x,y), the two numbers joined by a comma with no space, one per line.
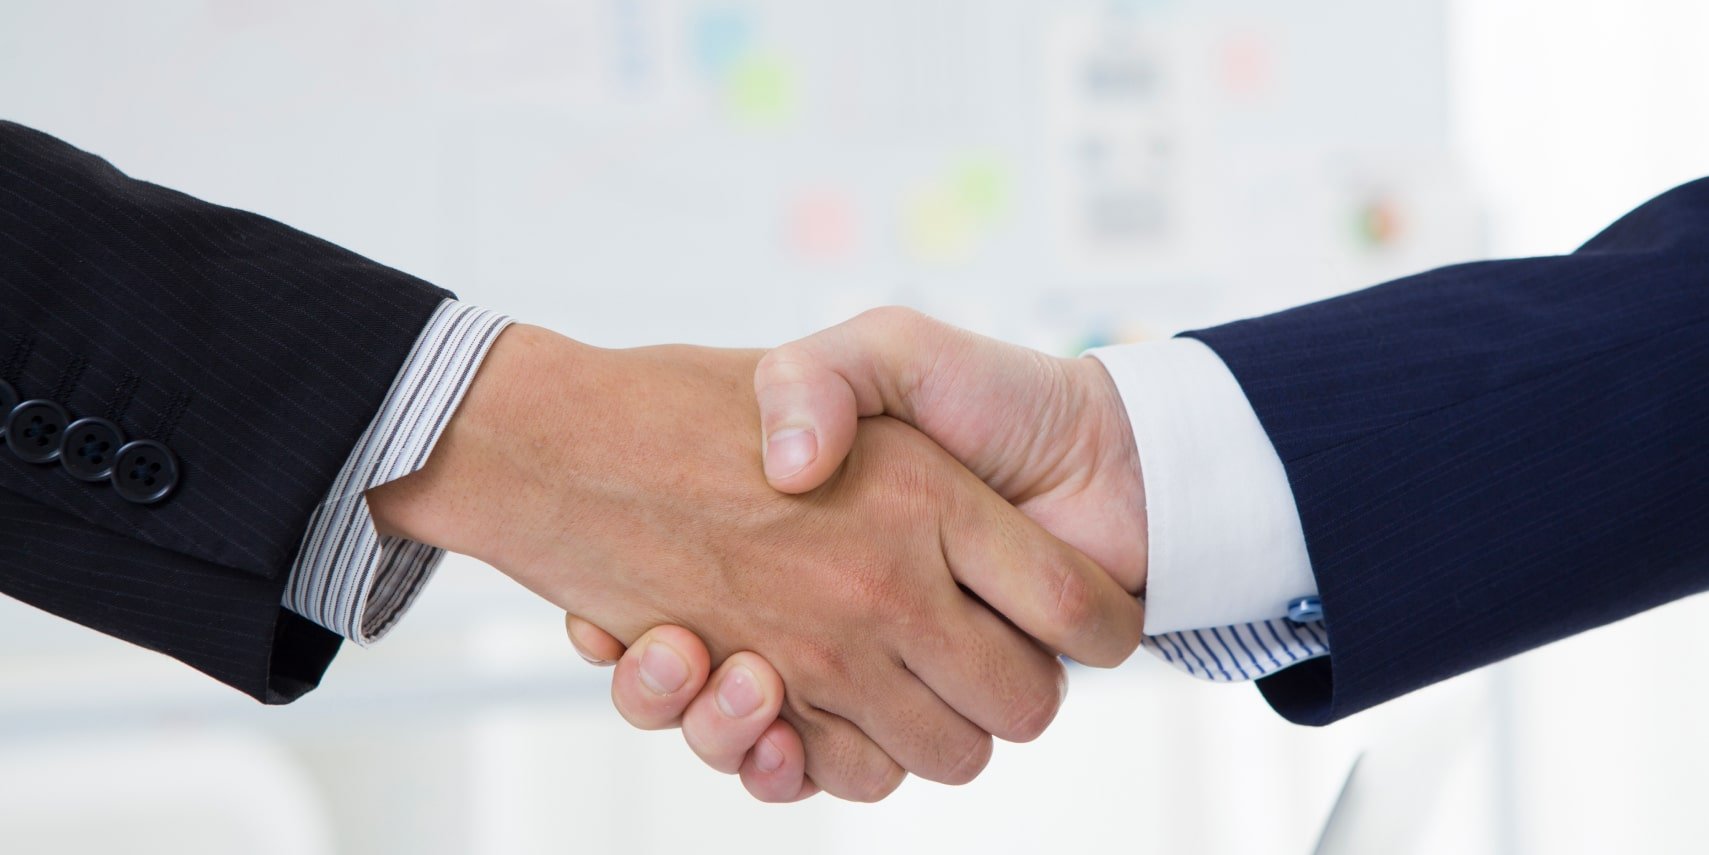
(808,416)
(813,392)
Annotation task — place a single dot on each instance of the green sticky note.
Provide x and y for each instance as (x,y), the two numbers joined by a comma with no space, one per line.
(763,89)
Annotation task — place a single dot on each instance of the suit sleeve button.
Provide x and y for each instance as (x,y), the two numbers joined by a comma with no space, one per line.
(91,445)
(145,472)
(35,430)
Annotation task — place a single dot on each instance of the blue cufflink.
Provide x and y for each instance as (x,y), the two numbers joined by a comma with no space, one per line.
(1305,610)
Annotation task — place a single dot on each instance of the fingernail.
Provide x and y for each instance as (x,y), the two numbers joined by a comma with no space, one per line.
(789,450)
(766,756)
(592,660)
(663,669)
(739,694)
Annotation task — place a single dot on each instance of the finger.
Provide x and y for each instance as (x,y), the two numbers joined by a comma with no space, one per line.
(1000,680)
(776,770)
(1043,586)
(726,720)
(841,758)
(595,645)
(923,733)
(659,676)
(812,392)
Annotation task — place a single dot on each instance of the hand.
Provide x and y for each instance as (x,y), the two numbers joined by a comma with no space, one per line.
(621,485)
(1049,434)
(718,715)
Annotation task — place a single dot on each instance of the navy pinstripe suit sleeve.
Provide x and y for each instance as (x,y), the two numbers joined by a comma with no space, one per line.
(258,353)
(1492,456)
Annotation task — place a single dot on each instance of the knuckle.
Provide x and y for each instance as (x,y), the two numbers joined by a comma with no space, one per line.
(874,784)
(895,327)
(820,663)
(785,363)
(974,758)
(890,316)
(1131,634)
(1073,611)
(1030,716)
(874,590)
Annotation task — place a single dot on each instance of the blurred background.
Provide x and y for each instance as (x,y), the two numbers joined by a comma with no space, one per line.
(741,172)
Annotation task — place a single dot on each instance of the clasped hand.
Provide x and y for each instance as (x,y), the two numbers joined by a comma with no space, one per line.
(938,517)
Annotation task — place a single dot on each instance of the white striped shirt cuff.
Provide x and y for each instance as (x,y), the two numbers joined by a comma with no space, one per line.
(1226,550)
(1243,652)
(347,577)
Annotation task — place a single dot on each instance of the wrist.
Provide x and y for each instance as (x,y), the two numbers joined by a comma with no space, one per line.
(468,497)
(560,449)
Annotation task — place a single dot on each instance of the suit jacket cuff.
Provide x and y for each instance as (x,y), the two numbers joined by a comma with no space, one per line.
(347,577)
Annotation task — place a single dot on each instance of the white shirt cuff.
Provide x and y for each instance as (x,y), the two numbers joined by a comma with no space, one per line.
(1226,546)
(347,578)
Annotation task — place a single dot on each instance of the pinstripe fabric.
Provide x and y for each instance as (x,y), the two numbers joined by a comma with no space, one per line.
(1489,457)
(347,577)
(258,353)
(113,584)
(1247,651)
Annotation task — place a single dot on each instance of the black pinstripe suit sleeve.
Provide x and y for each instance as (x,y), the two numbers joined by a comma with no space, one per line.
(258,353)
(1492,456)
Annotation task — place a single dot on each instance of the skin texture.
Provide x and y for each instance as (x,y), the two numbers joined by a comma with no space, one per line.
(1049,434)
(623,486)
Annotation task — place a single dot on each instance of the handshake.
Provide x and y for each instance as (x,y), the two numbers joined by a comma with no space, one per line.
(1458,466)
(938,518)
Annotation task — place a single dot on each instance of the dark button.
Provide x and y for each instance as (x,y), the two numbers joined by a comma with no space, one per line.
(144,472)
(8,400)
(91,445)
(35,429)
